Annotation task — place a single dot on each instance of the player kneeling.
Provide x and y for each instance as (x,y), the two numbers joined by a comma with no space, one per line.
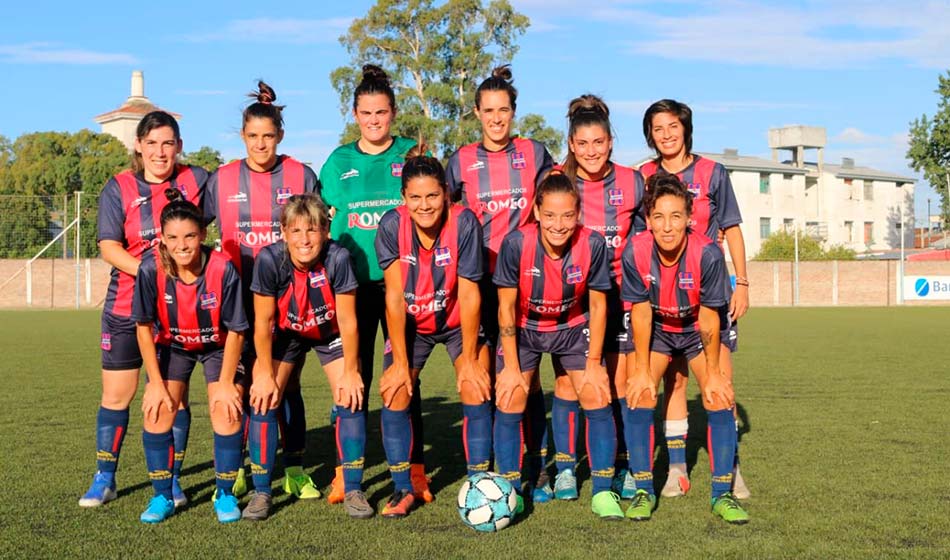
(187,308)
(674,278)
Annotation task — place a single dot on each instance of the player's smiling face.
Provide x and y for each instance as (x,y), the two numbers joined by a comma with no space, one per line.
(667,132)
(159,149)
(496,114)
(557,217)
(425,200)
(304,242)
(591,147)
(374,116)
(182,239)
(261,137)
(668,221)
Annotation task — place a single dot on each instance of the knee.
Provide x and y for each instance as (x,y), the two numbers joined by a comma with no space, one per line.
(517,404)
(469,395)
(224,426)
(163,424)
(400,400)
(563,389)
(645,401)
(718,403)
(591,399)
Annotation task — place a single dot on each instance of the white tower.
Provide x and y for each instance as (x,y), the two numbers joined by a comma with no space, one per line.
(122,122)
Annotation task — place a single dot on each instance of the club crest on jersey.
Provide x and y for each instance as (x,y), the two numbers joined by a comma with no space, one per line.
(208,301)
(685,280)
(443,256)
(183,189)
(283,195)
(694,188)
(106,343)
(574,274)
(518,160)
(615,197)
(317,278)
(396,169)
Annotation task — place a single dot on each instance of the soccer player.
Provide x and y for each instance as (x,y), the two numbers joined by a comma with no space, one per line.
(610,198)
(496,178)
(245,198)
(552,283)
(130,206)
(305,288)
(668,129)
(674,279)
(361,182)
(187,308)
(430,251)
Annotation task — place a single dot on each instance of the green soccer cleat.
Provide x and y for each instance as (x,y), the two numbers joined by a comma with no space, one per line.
(519,506)
(606,505)
(730,510)
(299,484)
(240,484)
(565,485)
(641,508)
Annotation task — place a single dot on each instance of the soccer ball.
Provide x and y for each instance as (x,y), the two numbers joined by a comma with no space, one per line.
(487,502)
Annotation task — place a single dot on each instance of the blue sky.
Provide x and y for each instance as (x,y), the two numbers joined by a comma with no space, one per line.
(861,69)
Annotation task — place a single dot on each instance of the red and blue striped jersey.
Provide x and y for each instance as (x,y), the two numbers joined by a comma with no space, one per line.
(714,201)
(194,317)
(498,186)
(675,292)
(552,293)
(130,211)
(430,276)
(306,300)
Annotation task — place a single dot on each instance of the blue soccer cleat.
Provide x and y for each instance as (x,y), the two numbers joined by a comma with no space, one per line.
(178,495)
(159,509)
(226,507)
(101,491)
(565,485)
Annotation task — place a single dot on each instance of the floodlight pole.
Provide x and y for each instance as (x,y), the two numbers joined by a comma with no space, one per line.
(900,275)
(795,298)
(78,239)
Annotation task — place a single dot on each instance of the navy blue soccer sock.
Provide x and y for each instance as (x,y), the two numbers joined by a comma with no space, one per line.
(476,436)
(397,440)
(262,448)
(601,447)
(508,445)
(564,423)
(417,453)
(111,426)
(228,454)
(294,427)
(721,435)
(535,435)
(638,425)
(623,458)
(351,439)
(180,430)
(159,458)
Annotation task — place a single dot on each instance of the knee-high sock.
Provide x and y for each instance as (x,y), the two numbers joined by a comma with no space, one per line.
(509,442)
(638,425)
(227,459)
(675,431)
(623,458)
(351,446)
(180,430)
(111,426)
(294,427)
(601,447)
(535,435)
(397,441)
(721,435)
(159,458)
(417,455)
(262,447)
(564,423)
(476,436)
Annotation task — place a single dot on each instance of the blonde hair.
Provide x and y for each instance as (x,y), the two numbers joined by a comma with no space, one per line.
(308,206)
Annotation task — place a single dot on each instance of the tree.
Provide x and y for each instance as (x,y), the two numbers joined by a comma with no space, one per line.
(780,246)
(206,157)
(436,56)
(929,146)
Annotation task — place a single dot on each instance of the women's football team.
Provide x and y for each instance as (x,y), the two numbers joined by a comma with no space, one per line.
(502,256)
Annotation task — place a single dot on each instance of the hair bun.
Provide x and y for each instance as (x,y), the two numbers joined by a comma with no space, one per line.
(502,72)
(173,194)
(419,150)
(266,94)
(374,73)
(588,103)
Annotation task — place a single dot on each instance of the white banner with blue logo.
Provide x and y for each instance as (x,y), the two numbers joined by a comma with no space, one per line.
(923,288)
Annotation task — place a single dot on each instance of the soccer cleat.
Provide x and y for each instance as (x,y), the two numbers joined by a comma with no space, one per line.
(519,506)
(178,495)
(101,491)
(399,504)
(258,507)
(542,492)
(641,508)
(606,505)
(299,484)
(730,510)
(677,484)
(240,484)
(337,489)
(565,485)
(420,483)
(624,484)
(226,507)
(356,506)
(739,489)
(159,509)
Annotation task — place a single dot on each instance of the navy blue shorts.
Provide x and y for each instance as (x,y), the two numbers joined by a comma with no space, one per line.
(420,346)
(120,347)
(177,365)
(489,319)
(291,348)
(688,344)
(568,348)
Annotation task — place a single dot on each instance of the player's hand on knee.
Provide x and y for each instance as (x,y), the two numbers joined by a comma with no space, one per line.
(507,383)
(472,373)
(396,377)
(349,390)
(718,392)
(594,377)
(226,395)
(264,394)
(640,386)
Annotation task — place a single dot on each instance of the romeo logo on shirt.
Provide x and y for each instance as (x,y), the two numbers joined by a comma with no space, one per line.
(283,194)
(396,169)
(694,188)
(686,280)
(443,256)
(518,161)
(574,274)
(317,278)
(615,197)
(208,301)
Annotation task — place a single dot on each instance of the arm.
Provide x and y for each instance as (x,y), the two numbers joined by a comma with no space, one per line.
(595,373)
(156,394)
(639,380)
(739,303)
(716,381)
(115,254)
(225,391)
(350,383)
(397,376)
(264,391)
(510,377)
(470,309)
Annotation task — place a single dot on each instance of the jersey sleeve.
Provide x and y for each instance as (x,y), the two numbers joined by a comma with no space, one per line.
(232,305)
(111,218)
(632,288)
(544,163)
(265,278)
(310,182)
(340,267)
(145,294)
(471,266)
(599,276)
(712,287)
(509,261)
(387,239)
(328,181)
(209,204)
(727,207)
(453,177)
(639,212)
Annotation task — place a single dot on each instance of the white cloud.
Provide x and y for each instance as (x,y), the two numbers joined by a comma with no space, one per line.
(274,30)
(852,135)
(639,106)
(54,53)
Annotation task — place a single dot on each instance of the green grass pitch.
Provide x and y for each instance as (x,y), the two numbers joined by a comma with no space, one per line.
(843,438)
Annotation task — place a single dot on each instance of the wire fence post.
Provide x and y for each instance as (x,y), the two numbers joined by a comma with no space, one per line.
(795,298)
(78,241)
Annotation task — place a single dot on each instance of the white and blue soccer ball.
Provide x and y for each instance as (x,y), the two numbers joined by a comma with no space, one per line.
(487,502)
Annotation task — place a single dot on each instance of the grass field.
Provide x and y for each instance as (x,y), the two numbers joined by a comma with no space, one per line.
(844,445)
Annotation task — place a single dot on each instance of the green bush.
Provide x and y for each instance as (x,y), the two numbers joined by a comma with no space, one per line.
(780,246)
